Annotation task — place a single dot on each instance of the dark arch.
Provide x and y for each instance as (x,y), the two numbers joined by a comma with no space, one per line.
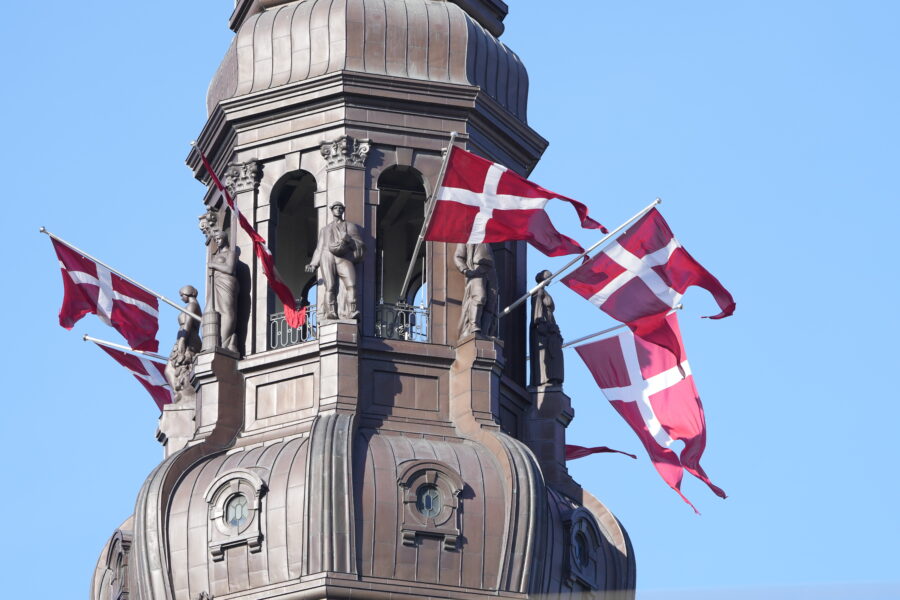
(401,212)
(294,232)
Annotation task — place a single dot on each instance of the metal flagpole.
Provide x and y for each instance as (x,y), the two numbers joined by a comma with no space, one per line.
(88,338)
(120,274)
(610,330)
(547,281)
(429,213)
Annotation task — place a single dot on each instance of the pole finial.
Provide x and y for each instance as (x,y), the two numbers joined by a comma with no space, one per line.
(42,229)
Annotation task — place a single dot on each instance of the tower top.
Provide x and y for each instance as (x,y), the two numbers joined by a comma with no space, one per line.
(488,13)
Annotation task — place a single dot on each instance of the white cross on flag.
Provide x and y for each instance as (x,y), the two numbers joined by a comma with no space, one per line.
(150,373)
(641,276)
(92,288)
(483,202)
(643,383)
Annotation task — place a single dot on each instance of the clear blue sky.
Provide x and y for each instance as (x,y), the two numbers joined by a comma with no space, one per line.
(769,128)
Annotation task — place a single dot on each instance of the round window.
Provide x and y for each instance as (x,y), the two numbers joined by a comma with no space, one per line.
(428,500)
(237,511)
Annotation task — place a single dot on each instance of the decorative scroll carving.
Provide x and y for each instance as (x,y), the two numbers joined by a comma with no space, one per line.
(208,222)
(429,493)
(243,177)
(346,151)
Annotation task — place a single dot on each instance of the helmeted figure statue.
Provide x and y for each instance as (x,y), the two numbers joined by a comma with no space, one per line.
(545,339)
(339,248)
(480,303)
(187,345)
(223,288)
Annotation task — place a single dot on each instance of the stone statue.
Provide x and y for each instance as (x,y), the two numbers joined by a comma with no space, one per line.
(545,340)
(480,306)
(222,288)
(187,345)
(339,248)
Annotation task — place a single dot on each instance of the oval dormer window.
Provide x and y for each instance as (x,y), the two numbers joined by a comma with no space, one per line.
(428,501)
(237,511)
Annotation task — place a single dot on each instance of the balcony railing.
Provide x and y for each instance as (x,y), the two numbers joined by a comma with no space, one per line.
(282,335)
(402,322)
(392,321)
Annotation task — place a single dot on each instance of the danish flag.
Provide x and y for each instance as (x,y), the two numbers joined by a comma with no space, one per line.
(89,287)
(644,384)
(641,276)
(150,373)
(481,201)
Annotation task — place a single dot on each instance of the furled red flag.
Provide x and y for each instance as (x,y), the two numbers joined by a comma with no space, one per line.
(90,287)
(573,452)
(292,315)
(150,373)
(480,201)
(643,383)
(641,276)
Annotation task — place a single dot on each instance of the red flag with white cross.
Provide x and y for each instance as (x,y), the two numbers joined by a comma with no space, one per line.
(482,202)
(645,385)
(641,276)
(150,374)
(90,287)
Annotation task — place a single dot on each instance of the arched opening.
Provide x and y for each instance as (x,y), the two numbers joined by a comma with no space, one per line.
(295,232)
(401,212)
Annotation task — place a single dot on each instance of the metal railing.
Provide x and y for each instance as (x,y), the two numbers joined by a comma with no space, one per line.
(392,321)
(282,335)
(402,322)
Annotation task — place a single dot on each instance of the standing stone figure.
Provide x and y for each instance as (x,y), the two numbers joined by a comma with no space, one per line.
(339,248)
(480,306)
(545,339)
(223,288)
(187,345)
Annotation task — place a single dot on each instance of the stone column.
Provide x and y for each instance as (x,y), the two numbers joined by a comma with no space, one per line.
(545,434)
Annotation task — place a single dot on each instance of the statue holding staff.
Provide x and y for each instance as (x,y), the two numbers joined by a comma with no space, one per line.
(545,339)
(187,345)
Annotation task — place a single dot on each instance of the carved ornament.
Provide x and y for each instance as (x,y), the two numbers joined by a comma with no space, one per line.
(345,151)
(243,177)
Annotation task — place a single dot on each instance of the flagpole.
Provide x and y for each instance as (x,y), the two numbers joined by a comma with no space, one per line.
(428,215)
(605,331)
(88,338)
(120,274)
(610,330)
(547,281)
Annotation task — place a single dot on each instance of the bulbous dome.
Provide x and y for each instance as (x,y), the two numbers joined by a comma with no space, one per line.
(414,39)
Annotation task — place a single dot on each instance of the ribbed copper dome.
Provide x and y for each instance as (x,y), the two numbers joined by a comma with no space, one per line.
(415,39)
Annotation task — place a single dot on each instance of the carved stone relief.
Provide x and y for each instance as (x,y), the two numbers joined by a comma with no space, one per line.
(243,177)
(345,151)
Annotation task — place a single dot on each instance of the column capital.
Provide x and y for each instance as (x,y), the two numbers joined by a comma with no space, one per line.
(243,177)
(345,151)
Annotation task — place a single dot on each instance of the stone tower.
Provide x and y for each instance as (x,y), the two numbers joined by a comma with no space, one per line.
(379,456)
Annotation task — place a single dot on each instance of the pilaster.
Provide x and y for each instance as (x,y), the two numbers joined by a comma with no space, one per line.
(545,434)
